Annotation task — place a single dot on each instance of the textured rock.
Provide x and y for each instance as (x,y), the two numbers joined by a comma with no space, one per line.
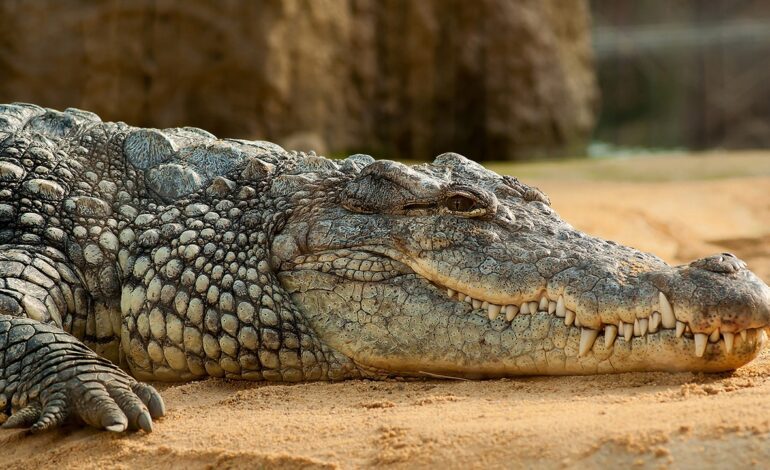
(492,79)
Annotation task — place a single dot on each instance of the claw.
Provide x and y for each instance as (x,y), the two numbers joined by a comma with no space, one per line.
(120,427)
(157,407)
(133,407)
(145,422)
(115,421)
(151,398)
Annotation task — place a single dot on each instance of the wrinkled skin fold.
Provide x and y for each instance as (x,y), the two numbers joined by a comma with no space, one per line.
(176,255)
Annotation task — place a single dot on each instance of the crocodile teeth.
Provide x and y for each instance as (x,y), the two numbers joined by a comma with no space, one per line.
(700,344)
(510,312)
(666,312)
(561,310)
(587,338)
(493,311)
(643,323)
(654,322)
(661,318)
(628,331)
(714,336)
(610,333)
(729,339)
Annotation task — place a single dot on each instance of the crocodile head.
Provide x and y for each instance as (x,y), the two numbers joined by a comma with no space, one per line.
(448,268)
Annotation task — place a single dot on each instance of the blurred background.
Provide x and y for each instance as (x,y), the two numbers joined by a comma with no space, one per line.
(682,74)
(491,79)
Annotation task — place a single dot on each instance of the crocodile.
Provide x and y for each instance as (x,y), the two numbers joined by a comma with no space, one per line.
(130,255)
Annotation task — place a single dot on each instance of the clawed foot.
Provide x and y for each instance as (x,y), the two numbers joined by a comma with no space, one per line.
(99,394)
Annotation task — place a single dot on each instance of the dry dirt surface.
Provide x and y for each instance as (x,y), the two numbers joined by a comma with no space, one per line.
(640,420)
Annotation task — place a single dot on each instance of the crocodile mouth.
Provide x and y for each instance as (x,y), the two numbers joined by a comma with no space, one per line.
(655,326)
(376,264)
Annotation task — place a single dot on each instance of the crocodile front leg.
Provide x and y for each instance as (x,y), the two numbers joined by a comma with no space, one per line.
(46,374)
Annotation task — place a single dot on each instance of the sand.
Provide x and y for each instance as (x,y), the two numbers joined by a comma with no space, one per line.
(641,420)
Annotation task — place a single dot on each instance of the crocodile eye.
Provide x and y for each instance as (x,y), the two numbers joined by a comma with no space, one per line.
(460,203)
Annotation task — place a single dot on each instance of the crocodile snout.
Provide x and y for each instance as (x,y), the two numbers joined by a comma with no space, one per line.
(718,295)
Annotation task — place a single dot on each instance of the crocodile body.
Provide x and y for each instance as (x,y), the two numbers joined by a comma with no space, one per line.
(175,255)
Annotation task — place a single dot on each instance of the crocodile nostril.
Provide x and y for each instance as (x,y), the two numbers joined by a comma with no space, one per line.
(722,263)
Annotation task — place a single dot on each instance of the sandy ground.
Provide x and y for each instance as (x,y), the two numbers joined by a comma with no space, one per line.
(683,208)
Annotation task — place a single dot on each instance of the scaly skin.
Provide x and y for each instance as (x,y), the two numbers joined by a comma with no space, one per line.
(180,256)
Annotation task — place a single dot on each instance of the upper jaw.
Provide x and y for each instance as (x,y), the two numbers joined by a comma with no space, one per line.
(632,294)
(696,305)
(748,316)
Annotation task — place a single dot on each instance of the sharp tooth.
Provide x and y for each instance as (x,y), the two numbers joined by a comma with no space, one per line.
(637,328)
(752,334)
(679,328)
(543,304)
(610,332)
(494,311)
(469,299)
(561,310)
(700,344)
(643,323)
(450,292)
(476,303)
(587,338)
(654,322)
(729,339)
(714,336)
(628,331)
(744,335)
(667,317)
(761,336)
(484,304)
(533,307)
(577,321)
(551,307)
(569,318)
(524,308)
(510,312)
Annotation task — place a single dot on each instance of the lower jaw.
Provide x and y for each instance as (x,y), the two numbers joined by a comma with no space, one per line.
(557,354)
